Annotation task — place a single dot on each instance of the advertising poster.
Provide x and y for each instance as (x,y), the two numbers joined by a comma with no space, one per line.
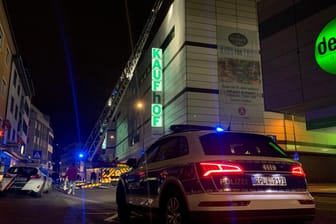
(240,81)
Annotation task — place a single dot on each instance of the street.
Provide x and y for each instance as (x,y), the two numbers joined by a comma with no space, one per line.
(97,206)
(87,206)
(325,210)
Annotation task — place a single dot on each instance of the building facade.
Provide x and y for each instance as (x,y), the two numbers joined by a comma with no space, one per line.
(19,101)
(40,138)
(203,67)
(7,49)
(296,46)
(295,83)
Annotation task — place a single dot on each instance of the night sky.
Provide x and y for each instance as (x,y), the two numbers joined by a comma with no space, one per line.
(84,44)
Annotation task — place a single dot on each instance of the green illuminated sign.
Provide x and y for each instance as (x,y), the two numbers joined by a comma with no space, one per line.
(325,48)
(156,87)
(156,115)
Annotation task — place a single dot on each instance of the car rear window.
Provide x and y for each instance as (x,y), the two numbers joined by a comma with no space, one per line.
(26,171)
(240,144)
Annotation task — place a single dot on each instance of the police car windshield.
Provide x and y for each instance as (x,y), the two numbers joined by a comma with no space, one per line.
(240,144)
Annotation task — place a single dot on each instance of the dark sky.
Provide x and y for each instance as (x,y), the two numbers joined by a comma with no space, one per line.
(84,41)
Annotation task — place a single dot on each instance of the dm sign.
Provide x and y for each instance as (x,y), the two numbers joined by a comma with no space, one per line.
(325,48)
(156,87)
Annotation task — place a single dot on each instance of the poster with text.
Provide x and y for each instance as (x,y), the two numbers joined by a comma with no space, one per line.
(240,79)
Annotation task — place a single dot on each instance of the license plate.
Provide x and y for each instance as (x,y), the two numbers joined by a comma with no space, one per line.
(269,181)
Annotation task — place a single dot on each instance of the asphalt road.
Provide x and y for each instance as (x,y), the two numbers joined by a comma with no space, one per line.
(90,206)
(97,206)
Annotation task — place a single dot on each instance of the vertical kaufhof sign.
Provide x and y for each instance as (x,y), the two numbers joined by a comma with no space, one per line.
(157,87)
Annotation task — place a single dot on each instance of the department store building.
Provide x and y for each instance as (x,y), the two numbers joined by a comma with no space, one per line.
(206,63)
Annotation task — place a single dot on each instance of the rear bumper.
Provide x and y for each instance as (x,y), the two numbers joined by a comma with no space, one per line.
(254,201)
(259,216)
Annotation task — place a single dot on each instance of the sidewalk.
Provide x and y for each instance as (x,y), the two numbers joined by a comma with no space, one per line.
(322,189)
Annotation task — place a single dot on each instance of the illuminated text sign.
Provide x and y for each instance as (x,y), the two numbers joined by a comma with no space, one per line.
(156,87)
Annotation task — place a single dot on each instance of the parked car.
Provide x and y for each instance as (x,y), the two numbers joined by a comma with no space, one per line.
(29,178)
(198,174)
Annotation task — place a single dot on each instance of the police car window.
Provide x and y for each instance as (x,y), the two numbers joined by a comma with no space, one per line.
(172,148)
(240,144)
(182,146)
(167,146)
(149,154)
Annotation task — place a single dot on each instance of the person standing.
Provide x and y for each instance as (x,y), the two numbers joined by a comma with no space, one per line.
(93,177)
(71,174)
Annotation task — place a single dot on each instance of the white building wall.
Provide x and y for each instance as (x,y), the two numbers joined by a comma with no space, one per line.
(201,21)
(175,98)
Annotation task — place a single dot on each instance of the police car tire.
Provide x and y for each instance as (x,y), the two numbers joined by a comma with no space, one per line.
(174,208)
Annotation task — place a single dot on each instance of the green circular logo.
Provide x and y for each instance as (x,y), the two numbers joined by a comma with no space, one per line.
(325,48)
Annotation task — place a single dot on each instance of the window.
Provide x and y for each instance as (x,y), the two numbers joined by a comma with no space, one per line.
(26,108)
(15,78)
(12,104)
(172,148)
(25,127)
(149,154)
(240,144)
(19,90)
(16,112)
(13,134)
(168,39)
(164,149)
(21,103)
(7,56)
(1,37)
(50,140)
(19,126)
(3,87)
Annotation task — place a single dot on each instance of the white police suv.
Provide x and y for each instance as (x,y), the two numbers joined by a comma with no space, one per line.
(28,178)
(214,176)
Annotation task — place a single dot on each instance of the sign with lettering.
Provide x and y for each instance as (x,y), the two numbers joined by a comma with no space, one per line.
(239,76)
(325,48)
(157,87)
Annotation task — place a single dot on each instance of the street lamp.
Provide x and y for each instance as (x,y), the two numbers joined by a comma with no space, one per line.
(140,107)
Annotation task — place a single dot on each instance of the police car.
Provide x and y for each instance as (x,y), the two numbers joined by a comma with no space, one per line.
(28,178)
(198,173)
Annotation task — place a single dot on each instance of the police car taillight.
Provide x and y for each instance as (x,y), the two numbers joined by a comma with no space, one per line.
(213,168)
(298,171)
(37,176)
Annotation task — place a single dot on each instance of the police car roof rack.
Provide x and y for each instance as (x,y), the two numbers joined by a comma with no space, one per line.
(189,127)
